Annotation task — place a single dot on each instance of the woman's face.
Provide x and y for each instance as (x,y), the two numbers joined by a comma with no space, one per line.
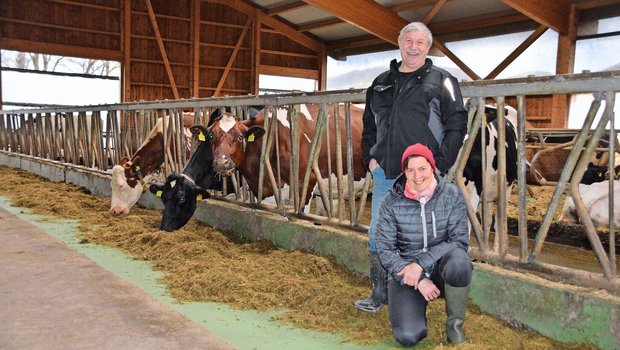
(419,173)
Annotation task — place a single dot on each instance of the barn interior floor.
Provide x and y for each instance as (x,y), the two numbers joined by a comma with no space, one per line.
(58,293)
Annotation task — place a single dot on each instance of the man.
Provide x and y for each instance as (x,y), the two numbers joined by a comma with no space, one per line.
(422,240)
(412,102)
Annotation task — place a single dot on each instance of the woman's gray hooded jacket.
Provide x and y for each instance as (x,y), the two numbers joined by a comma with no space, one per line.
(409,231)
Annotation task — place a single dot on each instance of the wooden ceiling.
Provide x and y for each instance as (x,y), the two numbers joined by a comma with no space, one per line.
(364,26)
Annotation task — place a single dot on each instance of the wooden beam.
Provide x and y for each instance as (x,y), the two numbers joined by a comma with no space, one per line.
(233,56)
(550,13)
(412,5)
(364,15)
(195,75)
(478,22)
(322,83)
(304,27)
(274,23)
(360,41)
(470,73)
(162,49)
(1,99)
(565,64)
(407,6)
(518,51)
(256,52)
(433,11)
(286,8)
(60,49)
(126,50)
(586,5)
(289,72)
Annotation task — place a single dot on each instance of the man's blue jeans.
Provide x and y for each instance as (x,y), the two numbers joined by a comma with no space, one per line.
(380,188)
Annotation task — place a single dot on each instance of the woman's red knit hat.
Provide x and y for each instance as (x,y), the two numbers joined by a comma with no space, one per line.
(418,150)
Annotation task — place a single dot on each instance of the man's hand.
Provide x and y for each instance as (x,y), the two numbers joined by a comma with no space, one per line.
(411,274)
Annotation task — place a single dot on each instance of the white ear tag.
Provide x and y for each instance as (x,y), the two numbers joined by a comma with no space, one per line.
(173,183)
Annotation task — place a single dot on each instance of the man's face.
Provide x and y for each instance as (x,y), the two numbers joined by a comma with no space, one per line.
(413,50)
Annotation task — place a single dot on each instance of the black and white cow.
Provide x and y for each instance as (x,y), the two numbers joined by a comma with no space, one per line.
(475,178)
(181,193)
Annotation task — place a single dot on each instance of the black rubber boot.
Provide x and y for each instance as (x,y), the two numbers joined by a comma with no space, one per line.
(378,296)
(456,304)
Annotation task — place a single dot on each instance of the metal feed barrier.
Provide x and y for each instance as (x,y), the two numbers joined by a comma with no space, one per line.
(97,137)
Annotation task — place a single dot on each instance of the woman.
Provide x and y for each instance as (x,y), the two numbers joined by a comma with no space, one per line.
(422,241)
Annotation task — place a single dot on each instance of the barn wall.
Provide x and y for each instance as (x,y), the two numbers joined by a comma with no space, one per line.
(197,49)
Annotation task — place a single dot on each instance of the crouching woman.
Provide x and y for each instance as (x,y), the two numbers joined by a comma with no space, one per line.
(422,241)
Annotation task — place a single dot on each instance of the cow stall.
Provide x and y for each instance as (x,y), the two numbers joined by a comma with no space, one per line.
(95,138)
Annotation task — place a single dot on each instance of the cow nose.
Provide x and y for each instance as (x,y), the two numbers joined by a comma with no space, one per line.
(224,165)
(118,210)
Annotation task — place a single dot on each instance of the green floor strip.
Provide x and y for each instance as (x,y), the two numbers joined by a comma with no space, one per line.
(240,328)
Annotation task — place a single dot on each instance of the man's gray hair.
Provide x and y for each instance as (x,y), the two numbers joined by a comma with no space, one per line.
(416,27)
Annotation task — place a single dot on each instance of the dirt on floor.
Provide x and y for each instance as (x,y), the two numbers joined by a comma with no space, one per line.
(203,264)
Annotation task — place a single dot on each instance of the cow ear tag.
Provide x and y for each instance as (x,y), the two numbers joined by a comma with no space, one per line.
(158,194)
(173,183)
(137,168)
(199,197)
(251,138)
(201,137)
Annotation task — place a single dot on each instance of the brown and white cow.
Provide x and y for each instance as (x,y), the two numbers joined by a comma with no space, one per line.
(237,146)
(129,176)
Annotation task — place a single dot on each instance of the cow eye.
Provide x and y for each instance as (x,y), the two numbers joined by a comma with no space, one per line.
(210,136)
(240,138)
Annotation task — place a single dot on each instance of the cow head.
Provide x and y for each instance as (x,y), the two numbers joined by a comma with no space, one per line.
(180,196)
(230,138)
(124,196)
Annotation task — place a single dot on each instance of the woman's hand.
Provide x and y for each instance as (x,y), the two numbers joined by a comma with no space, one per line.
(411,274)
(428,289)
(373,164)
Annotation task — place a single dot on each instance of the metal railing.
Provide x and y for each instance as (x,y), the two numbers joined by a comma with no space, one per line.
(99,136)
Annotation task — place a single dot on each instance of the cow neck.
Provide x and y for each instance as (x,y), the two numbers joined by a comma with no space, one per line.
(199,166)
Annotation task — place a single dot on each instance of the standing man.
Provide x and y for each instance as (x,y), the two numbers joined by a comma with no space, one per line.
(413,102)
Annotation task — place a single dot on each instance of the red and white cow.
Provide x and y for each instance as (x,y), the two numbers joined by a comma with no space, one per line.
(129,176)
(237,146)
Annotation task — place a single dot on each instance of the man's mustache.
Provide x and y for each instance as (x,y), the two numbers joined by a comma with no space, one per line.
(413,52)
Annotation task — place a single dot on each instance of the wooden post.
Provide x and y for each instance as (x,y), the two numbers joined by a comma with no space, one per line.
(565,65)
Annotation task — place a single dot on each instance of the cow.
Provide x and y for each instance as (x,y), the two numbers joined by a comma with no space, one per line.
(236,146)
(181,193)
(596,200)
(142,166)
(473,168)
(548,161)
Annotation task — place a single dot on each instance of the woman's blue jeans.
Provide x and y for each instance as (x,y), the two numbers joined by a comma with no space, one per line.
(380,188)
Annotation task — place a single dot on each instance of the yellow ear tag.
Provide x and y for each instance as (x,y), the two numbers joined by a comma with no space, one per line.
(158,194)
(201,137)
(137,168)
(199,197)
(251,138)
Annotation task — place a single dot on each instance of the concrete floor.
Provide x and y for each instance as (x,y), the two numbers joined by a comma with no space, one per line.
(52,297)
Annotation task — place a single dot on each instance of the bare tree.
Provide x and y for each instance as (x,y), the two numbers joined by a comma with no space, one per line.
(45,62)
